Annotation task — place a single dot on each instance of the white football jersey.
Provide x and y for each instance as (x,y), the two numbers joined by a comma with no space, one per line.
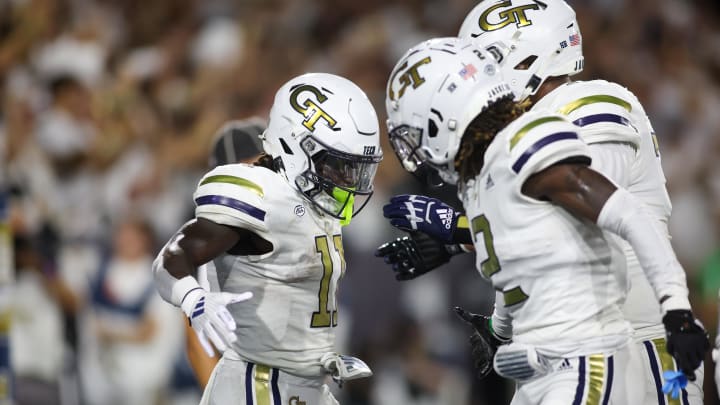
(609,113)
(557,274)
(289,323)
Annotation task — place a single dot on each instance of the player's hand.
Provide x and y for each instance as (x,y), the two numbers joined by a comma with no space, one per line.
(687,340)
(414,255)
(424,214)
(210,318)
(483,341)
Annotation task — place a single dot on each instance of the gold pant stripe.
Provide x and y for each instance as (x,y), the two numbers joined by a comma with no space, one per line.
(262,385)
(596,379)
(666,364)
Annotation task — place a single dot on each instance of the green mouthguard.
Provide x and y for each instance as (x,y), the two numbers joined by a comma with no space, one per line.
(342,197)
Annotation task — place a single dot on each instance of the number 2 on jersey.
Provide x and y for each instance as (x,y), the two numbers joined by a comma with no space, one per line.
(491,265)
(324,317)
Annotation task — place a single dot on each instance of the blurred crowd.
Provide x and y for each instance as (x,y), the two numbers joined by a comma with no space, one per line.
(107,113)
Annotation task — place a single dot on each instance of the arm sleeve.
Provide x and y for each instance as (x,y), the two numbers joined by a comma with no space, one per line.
(164,282)
(625,216)
(501,320)
(171,289)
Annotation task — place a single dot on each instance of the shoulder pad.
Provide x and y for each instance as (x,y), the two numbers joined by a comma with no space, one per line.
(540,139)
(233,195)
(602,109)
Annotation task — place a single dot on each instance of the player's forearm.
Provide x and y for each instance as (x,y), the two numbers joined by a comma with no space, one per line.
(624,215)
(501,320)
(198,242)
(462,235)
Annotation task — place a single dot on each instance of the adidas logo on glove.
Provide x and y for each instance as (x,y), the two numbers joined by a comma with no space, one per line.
(446,216)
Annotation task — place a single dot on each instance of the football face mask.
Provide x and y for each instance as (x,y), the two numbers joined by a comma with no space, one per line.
(341,182)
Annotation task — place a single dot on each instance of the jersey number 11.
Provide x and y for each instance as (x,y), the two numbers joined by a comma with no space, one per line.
(325,317)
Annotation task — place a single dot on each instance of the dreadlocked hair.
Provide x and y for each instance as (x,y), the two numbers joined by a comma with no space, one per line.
(481,131)
(266,161)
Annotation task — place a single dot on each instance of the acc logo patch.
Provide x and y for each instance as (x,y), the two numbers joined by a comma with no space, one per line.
(409,76)
(310,109)
(299,210)
(514,15)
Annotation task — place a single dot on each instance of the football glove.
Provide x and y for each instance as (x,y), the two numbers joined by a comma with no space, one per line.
(210,318)
(414,255)
(687,340)
(344,368)
(484,341)
(424,214)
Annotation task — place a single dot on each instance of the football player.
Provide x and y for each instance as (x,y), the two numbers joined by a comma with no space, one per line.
(273,233)
(537,214)
(538,46)
(237,141)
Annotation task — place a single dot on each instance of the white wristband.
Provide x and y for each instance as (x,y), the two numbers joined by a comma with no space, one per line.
(182,288)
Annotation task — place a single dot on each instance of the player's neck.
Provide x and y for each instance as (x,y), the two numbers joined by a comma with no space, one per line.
(550,84)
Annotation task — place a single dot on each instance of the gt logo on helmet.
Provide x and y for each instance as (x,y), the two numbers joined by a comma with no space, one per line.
(409,76)
(514,15)
(309,109)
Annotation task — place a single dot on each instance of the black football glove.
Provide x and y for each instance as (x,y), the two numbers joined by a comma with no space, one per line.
(483,341)
(687,340)
(415,255)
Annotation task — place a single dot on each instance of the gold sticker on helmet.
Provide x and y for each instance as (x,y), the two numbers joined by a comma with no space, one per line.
(515,15)
(409,76)
(309,109)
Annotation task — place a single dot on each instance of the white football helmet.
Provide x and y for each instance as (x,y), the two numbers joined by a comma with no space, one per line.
(531,39)
(436,89)
(323,134)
